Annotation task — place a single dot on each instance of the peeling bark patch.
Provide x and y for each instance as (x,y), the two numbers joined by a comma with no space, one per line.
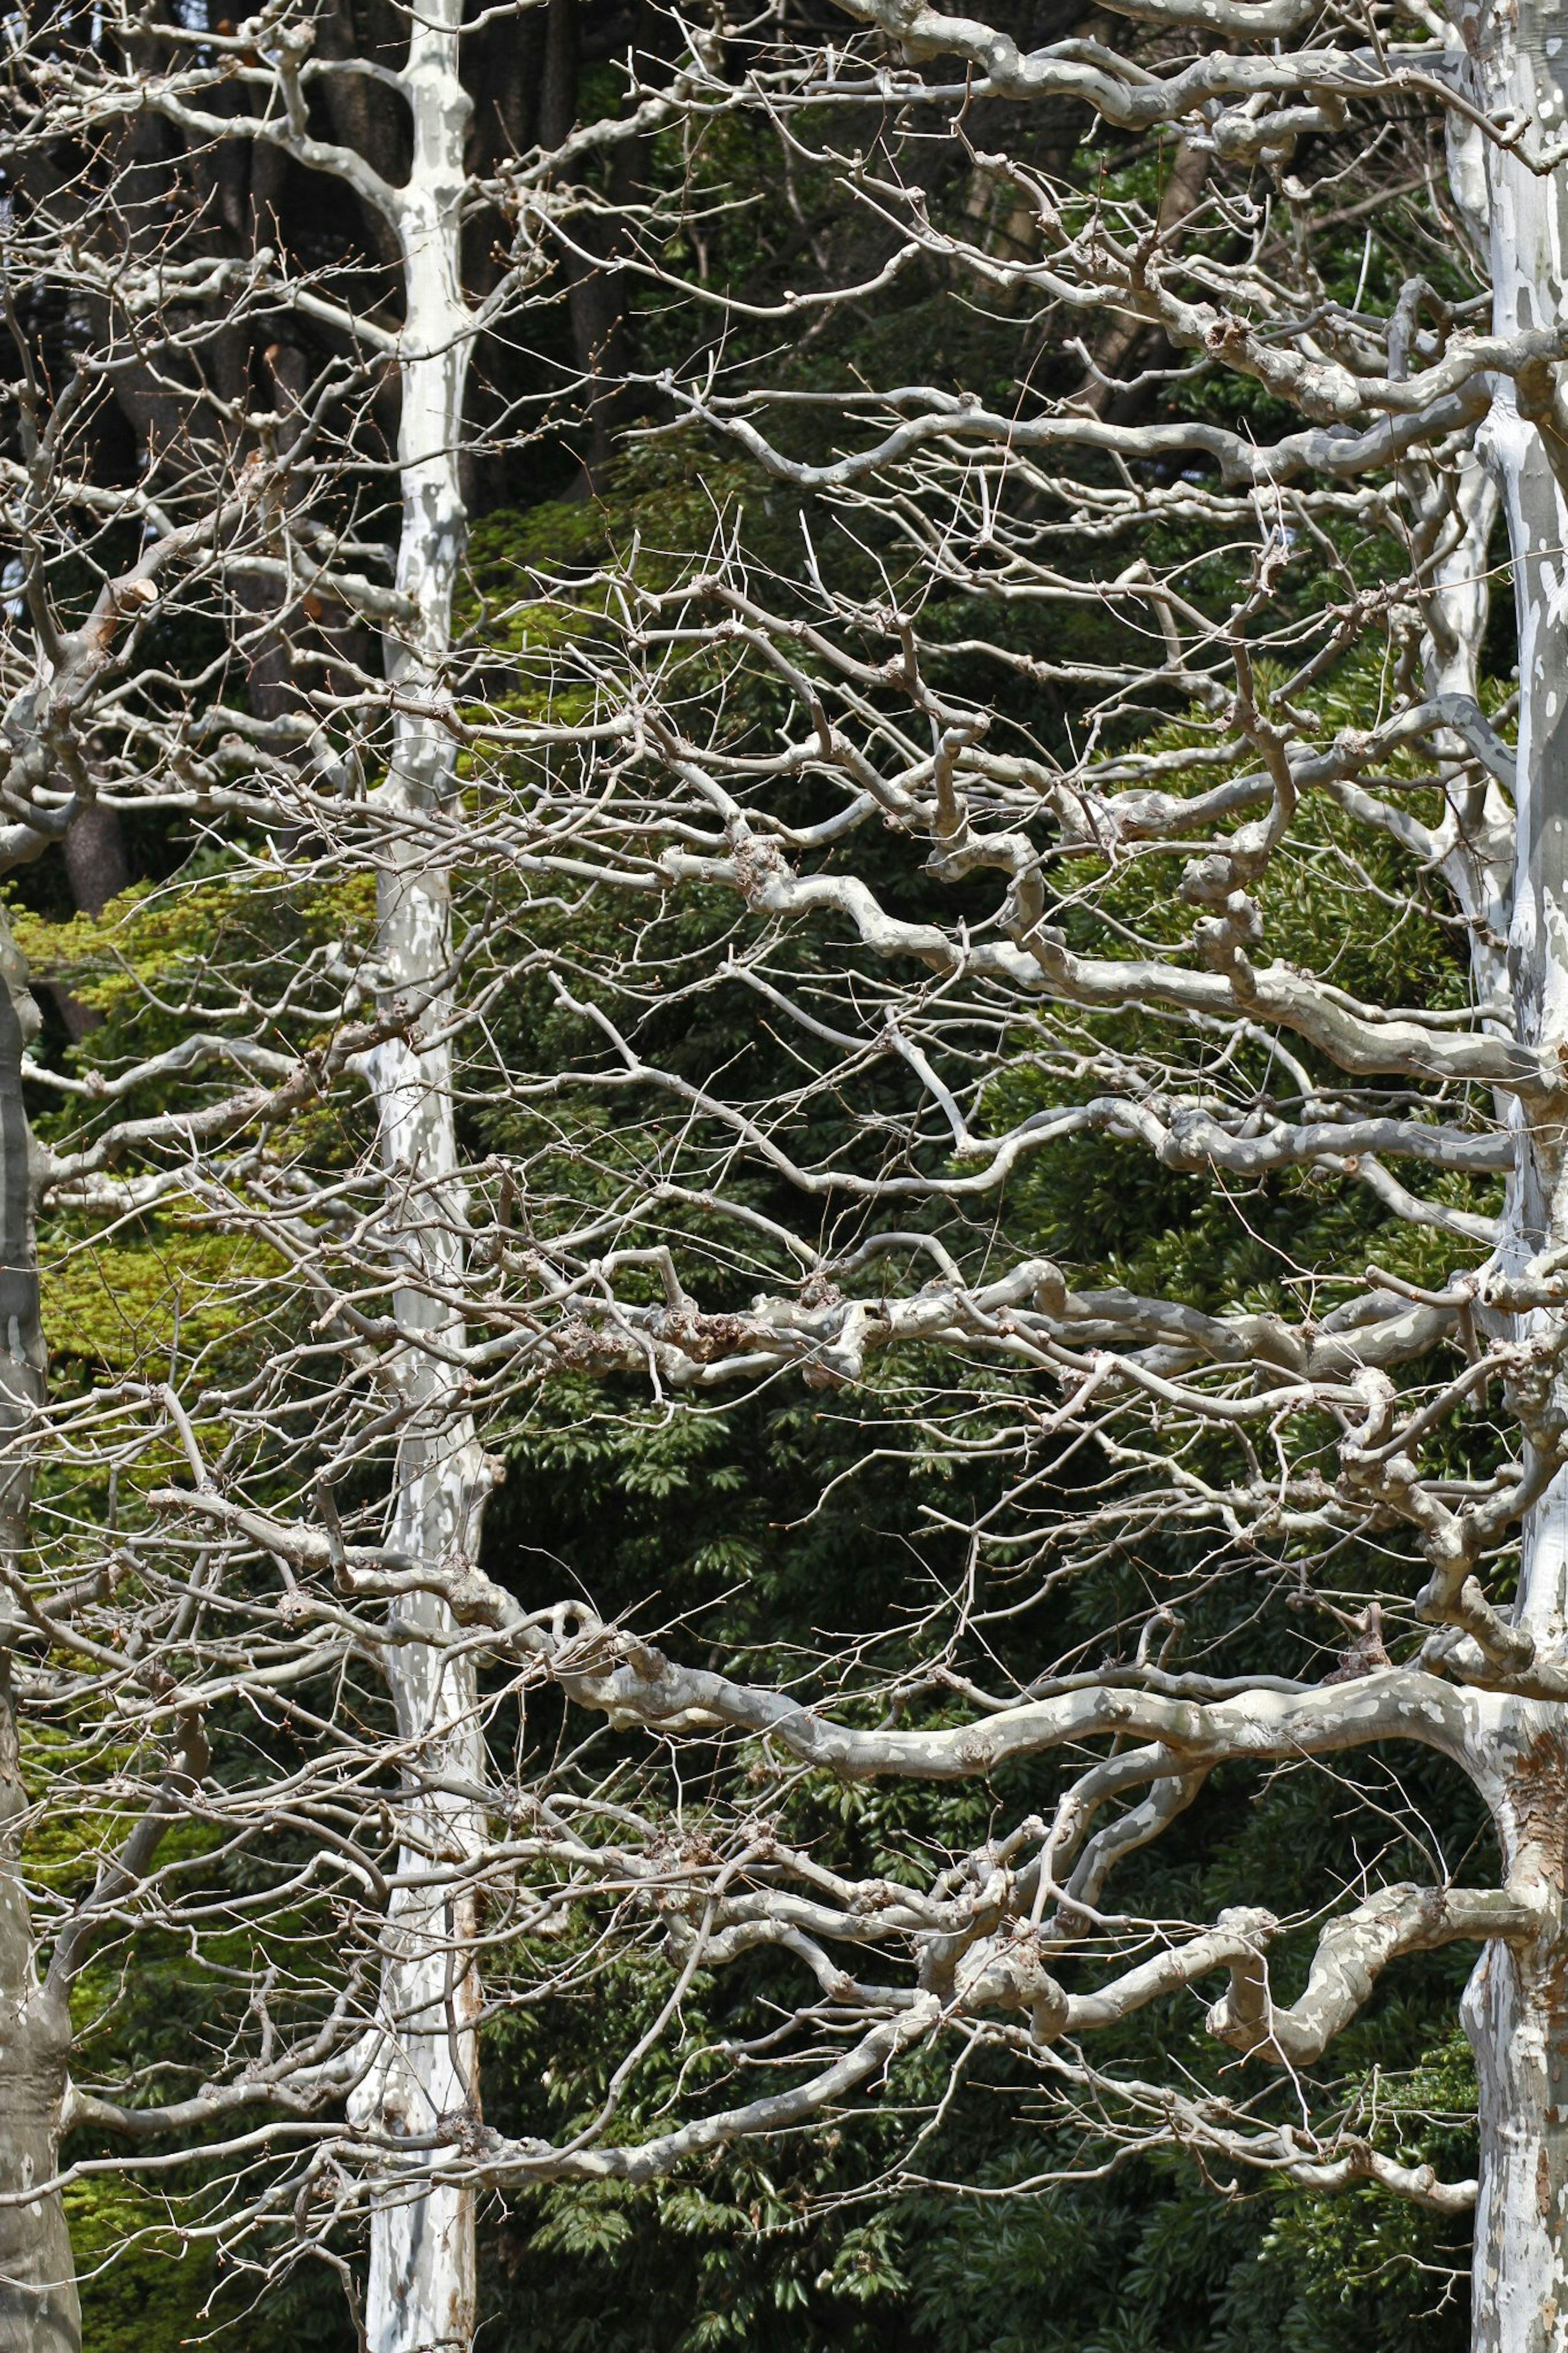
(1538,1790)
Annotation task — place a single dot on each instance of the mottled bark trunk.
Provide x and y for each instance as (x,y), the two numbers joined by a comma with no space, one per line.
(1517,2005)
(421,2290)
(1516,2014)
(38,2311)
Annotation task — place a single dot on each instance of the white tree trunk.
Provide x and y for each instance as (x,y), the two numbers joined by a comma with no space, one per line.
(421,2287)
(1516,2009)
(1516,2014)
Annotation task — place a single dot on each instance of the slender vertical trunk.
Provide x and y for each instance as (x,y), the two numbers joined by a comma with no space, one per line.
(37,2281)
(38,2312)
(1516,2014)
(1516,2009)
(421,2289)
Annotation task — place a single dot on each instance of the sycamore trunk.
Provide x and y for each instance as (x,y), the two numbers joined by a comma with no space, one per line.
(424,2083)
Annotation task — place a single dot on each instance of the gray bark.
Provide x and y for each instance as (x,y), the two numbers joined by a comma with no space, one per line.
(38,2309)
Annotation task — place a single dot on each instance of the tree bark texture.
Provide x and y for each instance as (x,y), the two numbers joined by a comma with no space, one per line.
(39,2308)
(1516,2011)
(421,2291)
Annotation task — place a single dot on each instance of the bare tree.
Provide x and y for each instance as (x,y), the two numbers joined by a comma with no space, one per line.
(988,805)
(158,280)
(1328,1434)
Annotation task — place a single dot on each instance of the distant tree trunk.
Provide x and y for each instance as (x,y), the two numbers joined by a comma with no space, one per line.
(98,870)
(96,861)
(595,301)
